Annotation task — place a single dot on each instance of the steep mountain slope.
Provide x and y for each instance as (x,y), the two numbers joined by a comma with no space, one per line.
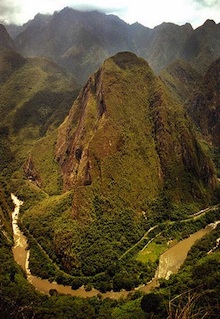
(9,62)
(34,30)
(181,79)
(5,39)
(81,41)
(203,46)
(165,43)
(35,97)
(204,105)
(78,40)
(127,153)
(139,36)
(119,128)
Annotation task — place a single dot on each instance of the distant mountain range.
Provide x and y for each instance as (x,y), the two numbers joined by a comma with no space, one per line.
(108,132)
(37,94)
(81,41)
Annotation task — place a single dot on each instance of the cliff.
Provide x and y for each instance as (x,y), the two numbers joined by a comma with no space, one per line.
(127,139)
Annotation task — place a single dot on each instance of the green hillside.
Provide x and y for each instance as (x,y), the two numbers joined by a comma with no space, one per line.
(35,96)
(181,79)
(123,168)
(124,159)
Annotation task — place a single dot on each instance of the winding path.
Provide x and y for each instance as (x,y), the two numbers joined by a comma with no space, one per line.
(170,261)
(142,238)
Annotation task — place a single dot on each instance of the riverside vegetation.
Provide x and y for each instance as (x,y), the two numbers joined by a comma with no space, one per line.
(90,198)
(185,287)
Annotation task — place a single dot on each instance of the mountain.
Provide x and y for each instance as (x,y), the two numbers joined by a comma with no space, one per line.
(78,40)
(126,150)
(100,176)
(35,96)
(203,105)
(38,23)
(87,161)
(81,41)
(10,62)
(181,79)
(165,43)
(112,172)
(203,46)
(5,39)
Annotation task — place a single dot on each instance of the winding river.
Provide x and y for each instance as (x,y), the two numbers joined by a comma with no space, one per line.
(170,262)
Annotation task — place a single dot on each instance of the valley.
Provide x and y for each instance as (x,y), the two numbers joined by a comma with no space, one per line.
(169,262)
(109,143)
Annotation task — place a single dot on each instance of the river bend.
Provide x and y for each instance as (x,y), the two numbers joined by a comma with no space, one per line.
(170,262)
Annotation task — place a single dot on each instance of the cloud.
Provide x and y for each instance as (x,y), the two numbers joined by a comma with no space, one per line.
(206,9)
(105,9)
(207,3)
(7,10)
(116,7)
(149,12)
(20,11)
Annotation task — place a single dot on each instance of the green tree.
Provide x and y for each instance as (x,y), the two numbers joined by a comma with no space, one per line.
(153,304)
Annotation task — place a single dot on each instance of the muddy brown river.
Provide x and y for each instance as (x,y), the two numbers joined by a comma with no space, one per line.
(170,262)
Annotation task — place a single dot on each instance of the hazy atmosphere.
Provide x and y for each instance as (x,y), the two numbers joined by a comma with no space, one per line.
(149,13)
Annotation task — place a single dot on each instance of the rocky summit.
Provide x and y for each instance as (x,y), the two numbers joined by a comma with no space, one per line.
(127,138)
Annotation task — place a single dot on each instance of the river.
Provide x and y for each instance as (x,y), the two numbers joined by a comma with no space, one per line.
(170,262)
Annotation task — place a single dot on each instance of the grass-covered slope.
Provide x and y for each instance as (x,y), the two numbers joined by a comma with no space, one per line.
(181,79)
(128,156)
(35,96)
(127,139)
(203,105)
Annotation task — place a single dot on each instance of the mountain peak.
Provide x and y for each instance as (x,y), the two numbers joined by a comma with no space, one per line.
(82,40)
(126,59)
(122,130)
(209,22)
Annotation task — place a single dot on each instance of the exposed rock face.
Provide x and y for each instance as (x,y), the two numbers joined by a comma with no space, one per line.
(31,172)
(74,156)
(127,139)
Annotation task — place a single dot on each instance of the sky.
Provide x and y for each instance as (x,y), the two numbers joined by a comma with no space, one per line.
(150,13)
